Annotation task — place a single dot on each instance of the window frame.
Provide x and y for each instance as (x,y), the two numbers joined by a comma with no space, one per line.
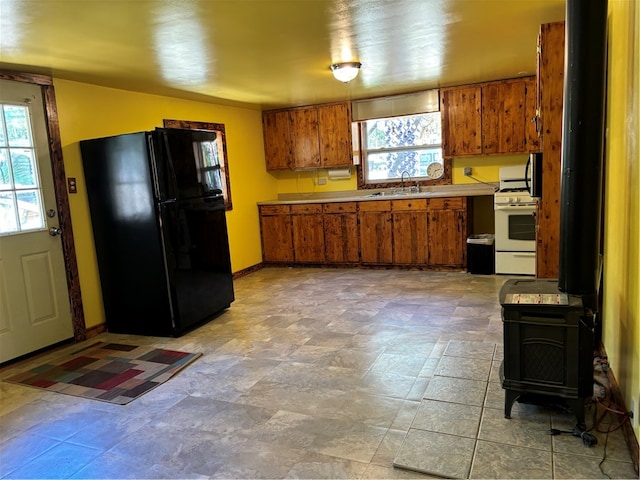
(360,152)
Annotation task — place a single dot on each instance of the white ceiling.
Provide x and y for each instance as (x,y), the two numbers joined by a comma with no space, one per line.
(273,53)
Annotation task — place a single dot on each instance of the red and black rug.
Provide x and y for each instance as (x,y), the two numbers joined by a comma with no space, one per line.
(111,372)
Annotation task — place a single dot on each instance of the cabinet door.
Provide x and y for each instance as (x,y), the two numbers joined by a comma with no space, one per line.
(447,231)
(447,238)
(304,137)
(308,233)
(461,121)
(334,126)
(551,84)
(375,232)
(410,242)
(503,117)
(341,238)
(532,136)
(277,139)
(277,241)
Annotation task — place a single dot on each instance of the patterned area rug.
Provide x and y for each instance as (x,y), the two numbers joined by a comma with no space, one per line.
(111,372)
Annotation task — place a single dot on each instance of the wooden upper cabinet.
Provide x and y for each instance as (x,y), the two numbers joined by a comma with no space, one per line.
(551,43)
(503,120)
(532,135)
(334,126)
(277,139)
(308,137)
(489,118)
(304,138)
(461,121)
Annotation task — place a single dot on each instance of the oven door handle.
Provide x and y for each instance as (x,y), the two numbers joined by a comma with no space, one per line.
(514,207)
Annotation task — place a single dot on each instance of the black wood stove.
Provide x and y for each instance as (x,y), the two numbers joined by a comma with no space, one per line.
(548,324)
(548,344)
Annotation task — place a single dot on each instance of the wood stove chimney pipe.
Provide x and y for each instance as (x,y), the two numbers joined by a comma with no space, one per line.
(582,149)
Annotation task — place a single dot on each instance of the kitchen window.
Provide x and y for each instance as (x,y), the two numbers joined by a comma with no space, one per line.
(409,145)
(398,141)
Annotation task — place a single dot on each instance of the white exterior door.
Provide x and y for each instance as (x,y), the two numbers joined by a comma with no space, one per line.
(34,299)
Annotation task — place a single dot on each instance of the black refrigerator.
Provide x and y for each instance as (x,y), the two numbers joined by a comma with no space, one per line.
(160,231)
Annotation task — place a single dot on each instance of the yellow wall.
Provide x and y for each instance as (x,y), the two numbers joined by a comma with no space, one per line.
(621,312)
(484,169)
(88,111)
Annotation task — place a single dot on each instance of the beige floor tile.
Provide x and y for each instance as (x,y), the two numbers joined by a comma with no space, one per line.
(450,418)
(494,460)
(312,373)
(456,390)
(436,454)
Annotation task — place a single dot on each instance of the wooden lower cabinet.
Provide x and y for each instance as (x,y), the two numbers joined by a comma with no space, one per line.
(341,232)
(417,232)
(275,228)
(410,239)
(447,232)
(376,245)
(308,233)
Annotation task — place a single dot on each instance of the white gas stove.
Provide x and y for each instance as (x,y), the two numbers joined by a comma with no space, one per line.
(515,224)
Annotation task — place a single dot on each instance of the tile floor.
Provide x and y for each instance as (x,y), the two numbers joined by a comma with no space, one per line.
(314,373)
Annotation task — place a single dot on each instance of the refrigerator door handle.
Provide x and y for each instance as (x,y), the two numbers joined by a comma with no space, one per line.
(169,163)
(154,168)
(165,258)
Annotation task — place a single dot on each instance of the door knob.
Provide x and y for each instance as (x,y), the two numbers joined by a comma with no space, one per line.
(54,231)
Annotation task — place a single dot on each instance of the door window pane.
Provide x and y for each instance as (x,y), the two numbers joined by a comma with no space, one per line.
(29,211)
(21,206)
(16,119)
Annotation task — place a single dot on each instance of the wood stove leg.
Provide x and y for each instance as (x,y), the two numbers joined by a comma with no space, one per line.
(577,405)
(510,396)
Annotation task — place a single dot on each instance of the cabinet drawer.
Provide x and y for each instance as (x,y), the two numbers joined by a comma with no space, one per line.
(307,208)
(414,204)
(446,203)
(274,209)
(375,206)
(346,207)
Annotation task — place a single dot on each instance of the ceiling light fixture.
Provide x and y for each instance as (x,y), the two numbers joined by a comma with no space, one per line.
(345,71)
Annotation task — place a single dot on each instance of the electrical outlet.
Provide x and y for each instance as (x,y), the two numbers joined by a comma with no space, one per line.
(467,171)
(322,181)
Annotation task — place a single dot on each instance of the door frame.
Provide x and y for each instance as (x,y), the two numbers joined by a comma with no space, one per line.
(62,197)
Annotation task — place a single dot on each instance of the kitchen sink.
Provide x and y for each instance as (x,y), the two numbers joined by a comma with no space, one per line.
(397,194)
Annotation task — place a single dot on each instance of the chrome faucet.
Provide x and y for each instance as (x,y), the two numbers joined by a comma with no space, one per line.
(402,179)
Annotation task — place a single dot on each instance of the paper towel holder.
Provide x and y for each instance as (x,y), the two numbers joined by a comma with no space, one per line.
(339,173)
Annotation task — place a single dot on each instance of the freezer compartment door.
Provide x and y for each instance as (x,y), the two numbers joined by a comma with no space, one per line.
(188,163)
(198,261)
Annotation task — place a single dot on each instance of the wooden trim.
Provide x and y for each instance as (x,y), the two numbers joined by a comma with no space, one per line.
(627,428)
(246,271)
(62,198)
(96,330)
(26,77)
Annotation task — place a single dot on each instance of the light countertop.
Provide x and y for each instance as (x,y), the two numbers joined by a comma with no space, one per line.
(461,190)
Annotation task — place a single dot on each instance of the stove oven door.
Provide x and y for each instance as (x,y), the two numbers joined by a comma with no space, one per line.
(515,239)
